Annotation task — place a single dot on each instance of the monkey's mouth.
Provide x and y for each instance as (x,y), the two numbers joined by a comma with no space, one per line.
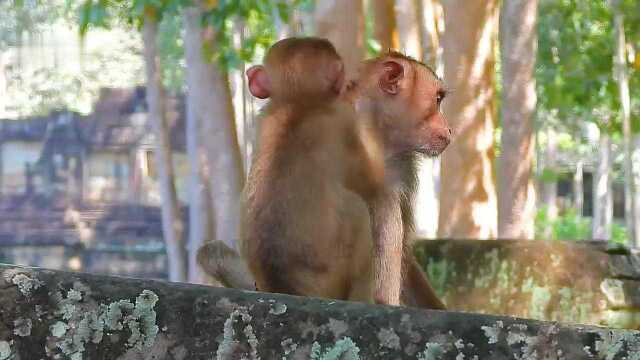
(430,151)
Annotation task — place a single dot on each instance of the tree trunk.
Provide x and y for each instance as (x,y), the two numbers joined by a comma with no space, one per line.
(468,204)
(342,22)
(385,30)
(409,20)
(3,86)
(223,151)
(602,194)
(432,52)
(635,163)
(622,77)
(516,194)
(172,227)
(550,185)
(200,216)
(578,188)
(241,100)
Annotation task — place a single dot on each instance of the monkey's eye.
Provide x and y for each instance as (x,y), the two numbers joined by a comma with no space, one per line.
(440,95)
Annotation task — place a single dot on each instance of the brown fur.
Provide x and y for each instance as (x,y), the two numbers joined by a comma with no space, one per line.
(225,266)
(410,124)
(305,227)
(406,115)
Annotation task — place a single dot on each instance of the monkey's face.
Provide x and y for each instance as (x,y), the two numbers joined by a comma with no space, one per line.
(408,95)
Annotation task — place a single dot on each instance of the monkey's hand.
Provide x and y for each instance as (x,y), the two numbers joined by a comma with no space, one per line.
(225,265)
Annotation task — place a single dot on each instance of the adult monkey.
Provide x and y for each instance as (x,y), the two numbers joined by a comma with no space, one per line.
(401,98)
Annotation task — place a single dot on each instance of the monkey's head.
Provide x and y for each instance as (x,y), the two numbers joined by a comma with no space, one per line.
(299,70)
(405,95)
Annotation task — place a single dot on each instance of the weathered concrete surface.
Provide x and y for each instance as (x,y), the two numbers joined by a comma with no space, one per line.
(51,314)
(570,282)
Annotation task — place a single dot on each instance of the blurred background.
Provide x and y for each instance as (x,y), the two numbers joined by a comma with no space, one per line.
(126,128)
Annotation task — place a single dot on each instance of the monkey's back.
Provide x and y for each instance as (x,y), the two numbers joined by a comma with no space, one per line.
(294,209)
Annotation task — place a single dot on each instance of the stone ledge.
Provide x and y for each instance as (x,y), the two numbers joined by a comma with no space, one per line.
(570,282)
(61,315)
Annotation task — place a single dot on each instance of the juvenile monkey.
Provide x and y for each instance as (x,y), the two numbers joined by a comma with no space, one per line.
(401,98)
(305,225)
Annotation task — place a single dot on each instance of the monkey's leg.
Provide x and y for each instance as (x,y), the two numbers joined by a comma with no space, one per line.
(359,238)
(416,289)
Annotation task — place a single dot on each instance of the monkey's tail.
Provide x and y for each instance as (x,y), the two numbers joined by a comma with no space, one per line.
(225,265)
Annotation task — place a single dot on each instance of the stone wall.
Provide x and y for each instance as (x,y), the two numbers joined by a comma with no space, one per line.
(580,282)
(48,314)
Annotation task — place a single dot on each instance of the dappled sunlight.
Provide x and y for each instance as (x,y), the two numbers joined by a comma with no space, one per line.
(131,134)
(426,211)
(485,219)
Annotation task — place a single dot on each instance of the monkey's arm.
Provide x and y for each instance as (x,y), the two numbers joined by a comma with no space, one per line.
(388,239)
(225,265)
(365,161)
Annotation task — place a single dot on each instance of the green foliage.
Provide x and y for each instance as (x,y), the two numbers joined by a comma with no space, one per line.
(259,17)
(549,176)
(71,77)
(575,52)
(373,47)
(568,226)
(619,234)
(571,226)
(575,61)
(171,51)
(19,16)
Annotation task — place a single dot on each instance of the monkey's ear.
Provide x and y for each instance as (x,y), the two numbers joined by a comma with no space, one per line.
(259,84)
(392,73)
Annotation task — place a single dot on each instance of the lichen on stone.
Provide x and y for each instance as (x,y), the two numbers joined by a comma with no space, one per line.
(389,339)
(39,311)
(143,320)
(66,310)
(229,344)
(612,343)
(432,351)
(5,350)
(25,283)
(74,295)
(22,327)
(492,332)
(252,340)
(343,349)
(58,329)
(83,321)
(515,337)
(459,344)
(518,338)
(337,327)
(288,346)
(278,309)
